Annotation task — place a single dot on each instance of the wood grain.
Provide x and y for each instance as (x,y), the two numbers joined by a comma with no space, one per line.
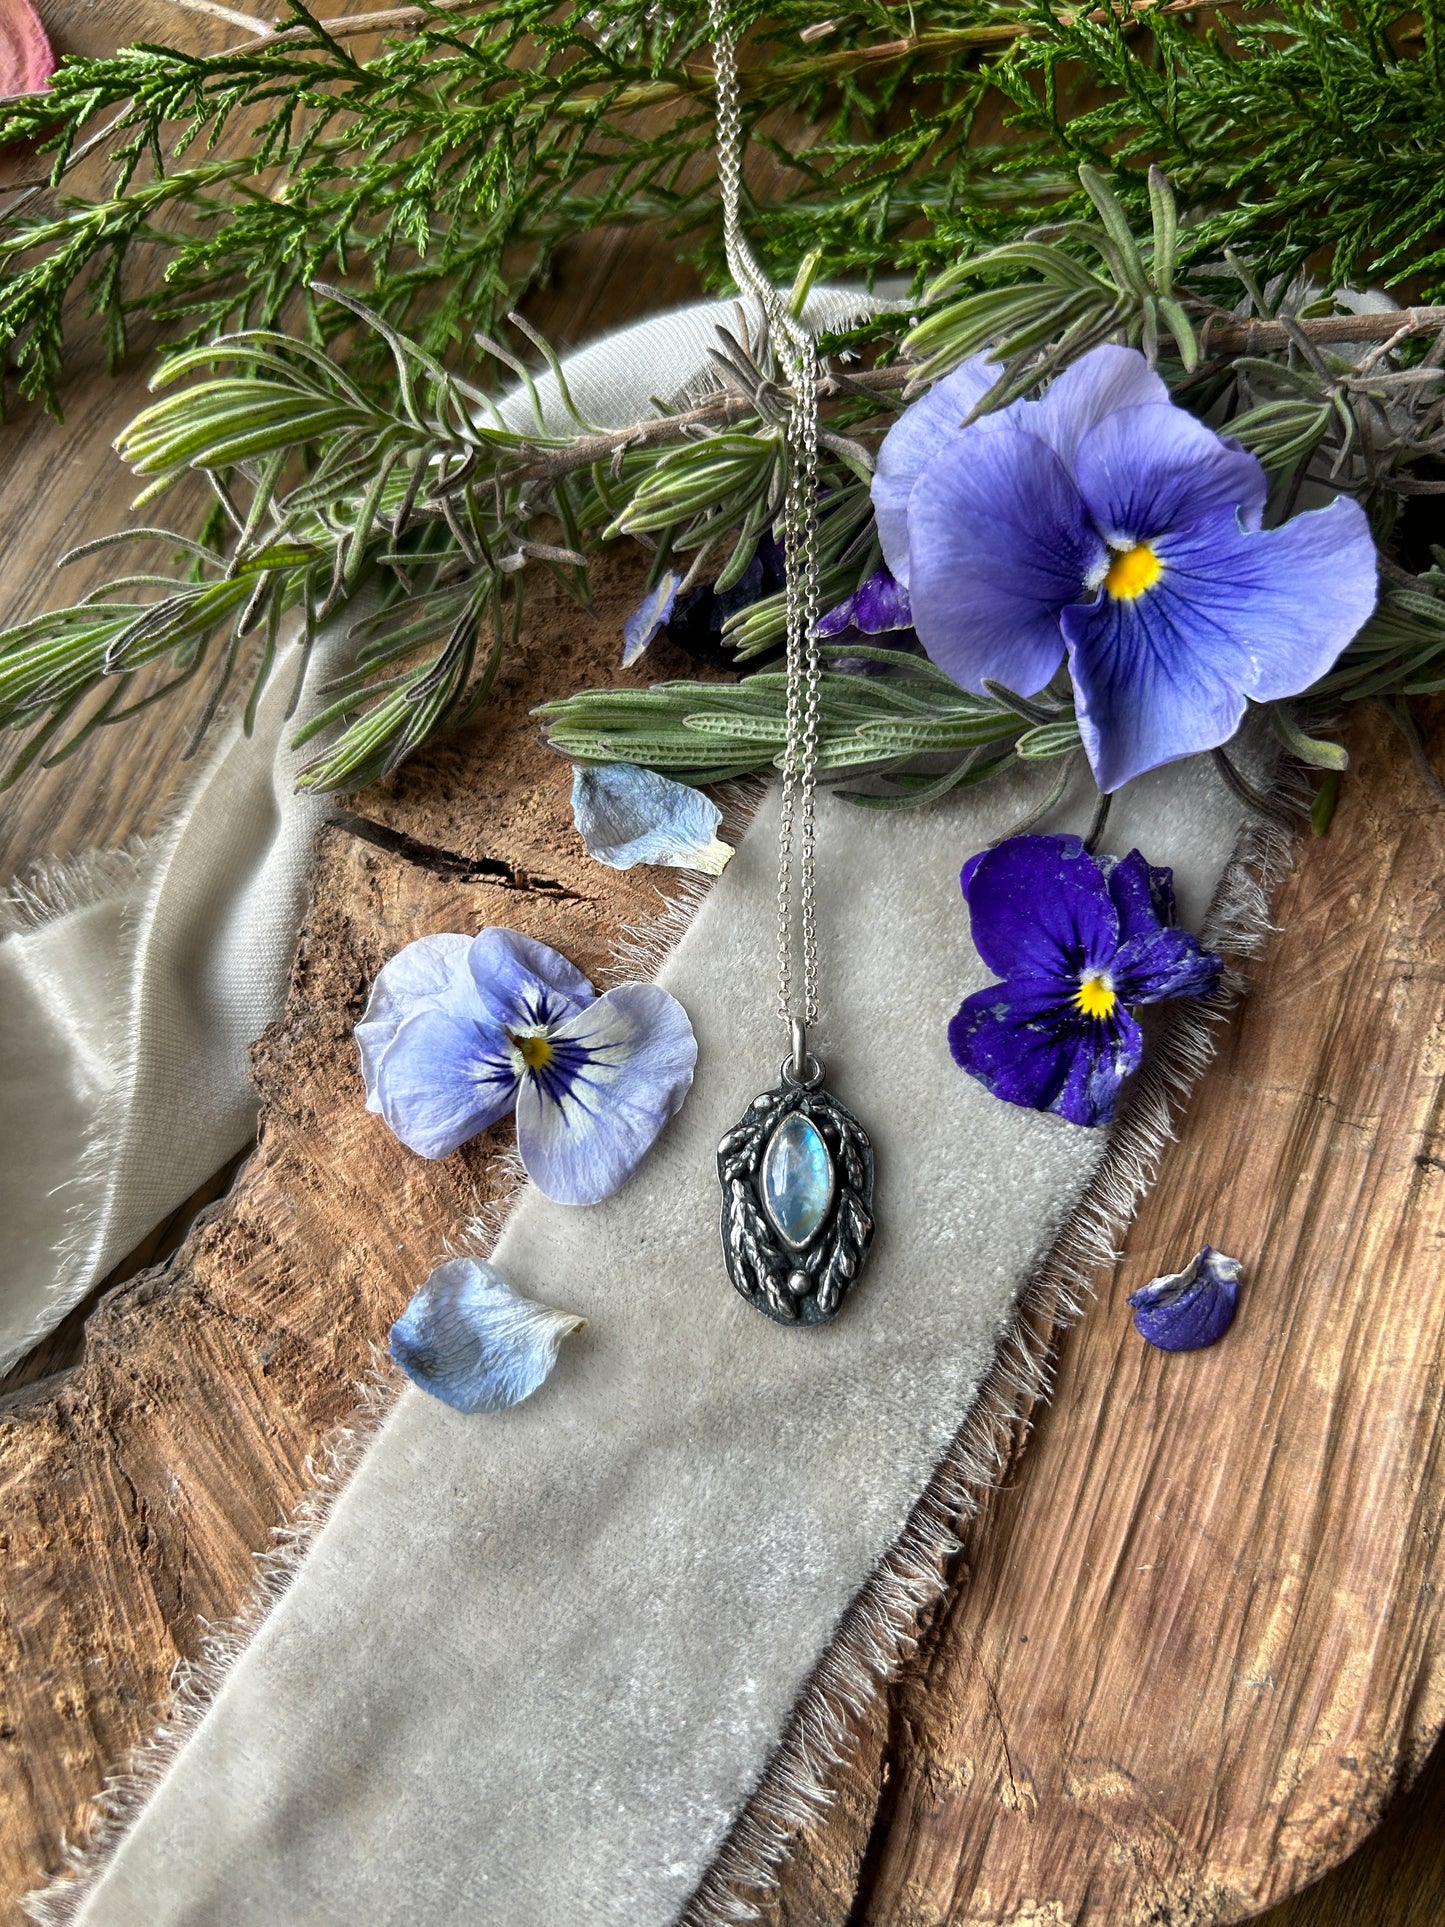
(1193,1645)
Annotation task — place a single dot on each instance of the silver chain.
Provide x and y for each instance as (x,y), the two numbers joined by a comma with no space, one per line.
(798,356)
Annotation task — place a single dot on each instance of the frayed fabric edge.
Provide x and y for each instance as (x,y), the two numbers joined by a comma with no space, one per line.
(881,1627)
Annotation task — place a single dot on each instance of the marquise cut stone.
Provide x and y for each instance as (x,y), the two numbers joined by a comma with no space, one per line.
(797,1178)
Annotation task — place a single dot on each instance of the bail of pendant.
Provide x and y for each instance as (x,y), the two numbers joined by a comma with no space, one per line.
(797,1196)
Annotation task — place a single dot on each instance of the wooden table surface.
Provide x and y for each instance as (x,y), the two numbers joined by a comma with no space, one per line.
(1191,1650)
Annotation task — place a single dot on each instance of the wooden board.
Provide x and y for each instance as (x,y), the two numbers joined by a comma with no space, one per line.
(1191,1647)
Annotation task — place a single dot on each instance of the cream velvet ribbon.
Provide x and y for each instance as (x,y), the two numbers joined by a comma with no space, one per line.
(533,1664)
(132,985)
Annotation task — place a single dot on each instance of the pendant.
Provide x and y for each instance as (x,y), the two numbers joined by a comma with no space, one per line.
(797,1207)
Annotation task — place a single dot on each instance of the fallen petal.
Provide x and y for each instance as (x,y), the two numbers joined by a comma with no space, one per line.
(879,605)
(627,815)
(1189,1309)
(469,1340)
(648,617)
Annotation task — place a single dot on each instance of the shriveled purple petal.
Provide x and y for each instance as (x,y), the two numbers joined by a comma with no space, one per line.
(1189,1309)
(1150,472)
(1164,963)
(1021,1043)
(930,424)
(1143,894)
(430,971)
(626,815)
(474,1343)
(649,617)
(442,1079)
(525,985)
(1040,908)
(878,605)
(619,1070)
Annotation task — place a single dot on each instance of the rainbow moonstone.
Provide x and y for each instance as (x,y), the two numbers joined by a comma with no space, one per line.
(797,1179)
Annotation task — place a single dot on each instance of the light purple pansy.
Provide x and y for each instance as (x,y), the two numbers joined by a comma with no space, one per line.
(1079,942)
(460,1030)
(1105,524)
(1189,1309)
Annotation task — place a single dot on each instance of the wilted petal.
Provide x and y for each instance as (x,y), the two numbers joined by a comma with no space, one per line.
(930,424)
(431,971)
(618,1071)
(1191,1308)
(469,1340)
(648,617)
(1039,907)
(999,544)
(525,985)
(1023,1044)
(878,605)
(1164,963)
(627,815)
(442,1079)
(1143,894)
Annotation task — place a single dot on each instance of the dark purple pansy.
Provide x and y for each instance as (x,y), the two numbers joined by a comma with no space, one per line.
(1104,523)
(876,606)
(1079,942)
(1189,1309)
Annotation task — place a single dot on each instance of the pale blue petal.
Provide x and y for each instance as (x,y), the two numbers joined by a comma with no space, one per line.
(442,1079)
(433,970)
(471,1341)
(621,1068)
(1157,472)
(627,815)
(650,615)
(524,985)
(920,432)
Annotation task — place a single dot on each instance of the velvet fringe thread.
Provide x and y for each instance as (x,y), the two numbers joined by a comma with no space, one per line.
(881,1627)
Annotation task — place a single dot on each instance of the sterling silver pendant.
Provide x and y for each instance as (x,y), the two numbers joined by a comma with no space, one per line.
(797,1199)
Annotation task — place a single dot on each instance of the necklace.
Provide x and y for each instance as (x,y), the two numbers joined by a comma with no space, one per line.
(797,1168)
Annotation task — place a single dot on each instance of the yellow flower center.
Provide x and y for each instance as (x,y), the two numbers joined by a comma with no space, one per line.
(1095,996)
(1132,571)
(536,1052)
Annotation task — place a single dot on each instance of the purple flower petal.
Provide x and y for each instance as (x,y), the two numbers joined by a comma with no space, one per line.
(877,606)
(442,1079)
(618,1071)
(1164,963)
(524,985)
(1095,386)
(915,438)
(1040,907)
(999,544)
(433,970)
(1234,613)
(649,616)
(1192,1308)
(471,1341)
(1143,895)
(1020,1042)
(1150,472)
